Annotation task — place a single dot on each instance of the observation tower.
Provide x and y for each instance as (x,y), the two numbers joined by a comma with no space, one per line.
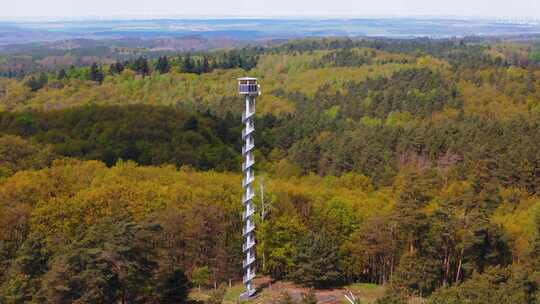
(248,88)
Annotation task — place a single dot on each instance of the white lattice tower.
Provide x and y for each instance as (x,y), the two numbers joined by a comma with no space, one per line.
(248,88)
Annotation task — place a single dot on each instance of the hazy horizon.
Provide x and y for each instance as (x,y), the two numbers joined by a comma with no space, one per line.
(287,17)
(68,9)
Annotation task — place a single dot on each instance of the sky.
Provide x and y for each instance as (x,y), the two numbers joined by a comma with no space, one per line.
(268,8)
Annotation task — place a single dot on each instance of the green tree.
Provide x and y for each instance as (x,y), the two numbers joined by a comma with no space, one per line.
(201,277)
(495,285)
(34,84)
(162,65)
(188,66)
(417,274)
(112,262)
(217,295)
(172,287)
(62,74)
(140,66)
(96,74)
(205,65)
(116,68)
(23,279)
(18,154)
(317,261)
(535,56)
(280,236)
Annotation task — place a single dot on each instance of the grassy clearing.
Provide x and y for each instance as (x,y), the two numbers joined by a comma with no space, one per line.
(367,293)
(232,294)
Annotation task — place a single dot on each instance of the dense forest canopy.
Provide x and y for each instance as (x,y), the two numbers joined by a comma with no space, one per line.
(409,163)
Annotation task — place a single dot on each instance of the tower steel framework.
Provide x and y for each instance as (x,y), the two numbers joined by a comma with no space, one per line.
(248,88)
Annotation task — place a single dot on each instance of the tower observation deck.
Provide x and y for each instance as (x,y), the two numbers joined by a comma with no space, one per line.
(248,88)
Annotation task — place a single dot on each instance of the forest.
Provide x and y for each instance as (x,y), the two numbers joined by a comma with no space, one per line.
(408,164)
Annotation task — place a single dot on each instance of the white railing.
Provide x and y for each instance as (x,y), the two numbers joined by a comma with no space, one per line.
(250,162)
(247,148)
(248,228)
(248,196)
(250,178)
(247,130)
(248,246)
(249,277)
(248,88)
(249,212)
(248,114)
(248,261)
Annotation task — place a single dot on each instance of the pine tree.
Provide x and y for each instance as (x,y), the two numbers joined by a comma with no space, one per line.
(192,123)
(43,79)
(172,287)
(205,65)
(317,261)
(62,74)
(33,84)
(36,84)
(162,65)
(111,263)
(96,74)
(116,68)
(141,66)
(188,65)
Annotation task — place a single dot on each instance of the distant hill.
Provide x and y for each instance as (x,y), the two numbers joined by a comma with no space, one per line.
(257,29)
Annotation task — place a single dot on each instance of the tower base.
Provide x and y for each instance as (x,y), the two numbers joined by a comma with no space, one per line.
(247,295)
